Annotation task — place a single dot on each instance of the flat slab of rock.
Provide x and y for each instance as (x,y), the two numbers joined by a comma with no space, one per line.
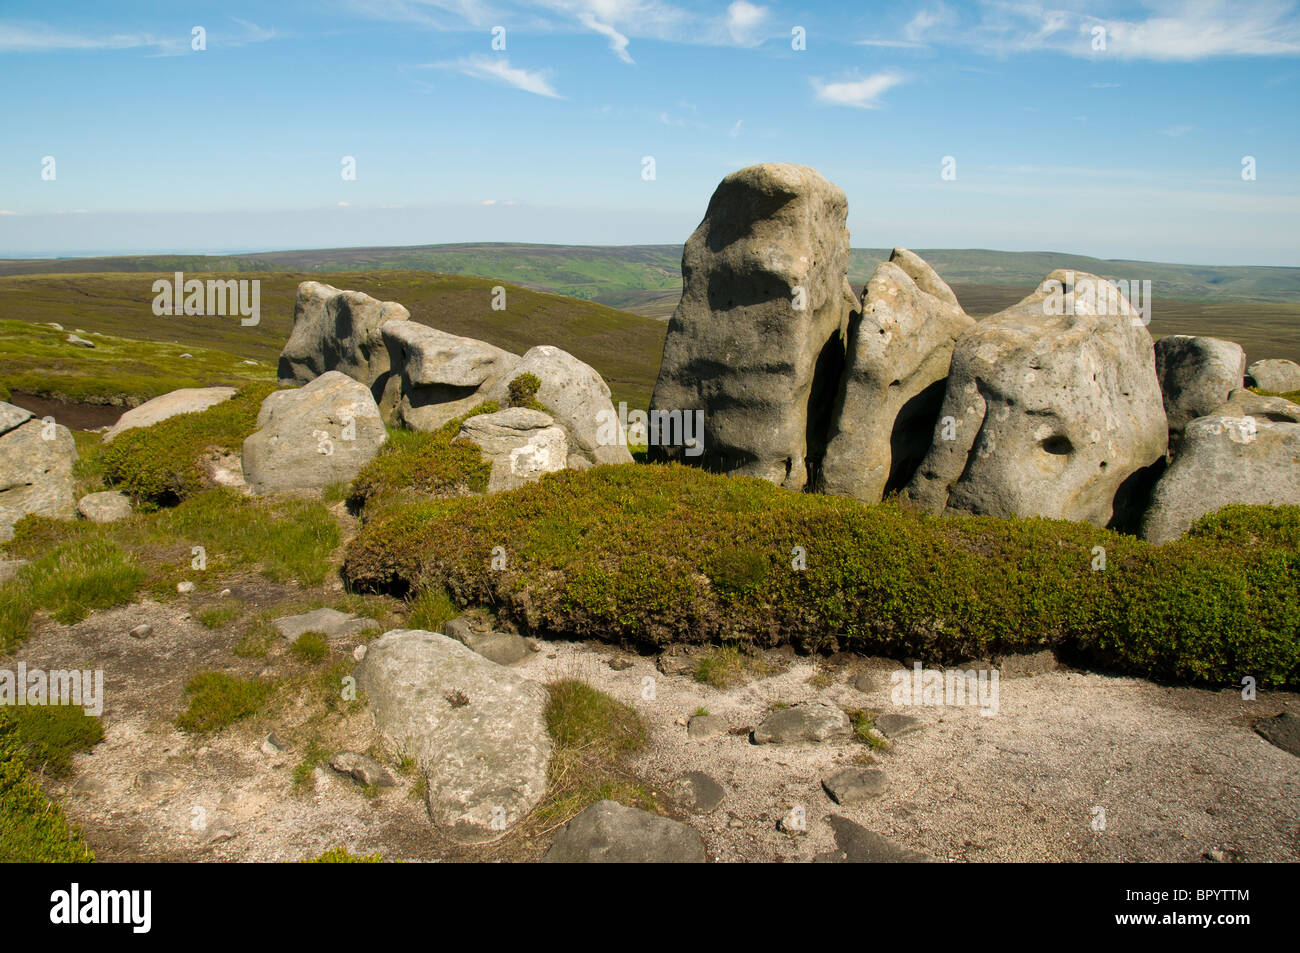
(806,722)
(609,833)
(504,648)
(363,769)
(854,785)
(187,400)
(328,622)
(477,729)
(894,726)
(857,845)
(697,792)
(108,506)
(701,727)
(313,437)
(1283,731)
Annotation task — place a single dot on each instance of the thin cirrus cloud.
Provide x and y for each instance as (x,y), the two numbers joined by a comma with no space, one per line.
(18,37)
(858,93)
(497,69)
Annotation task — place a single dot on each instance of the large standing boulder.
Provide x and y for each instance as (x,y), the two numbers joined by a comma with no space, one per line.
(1050,406)
(314,436)
(439,376)
(757,341)
(36,461)
(187,400)
(576,397)
(520,444)
(1224,459)
(1196,376)
(899,348)
(477,729)
(337,330)
(1276,375)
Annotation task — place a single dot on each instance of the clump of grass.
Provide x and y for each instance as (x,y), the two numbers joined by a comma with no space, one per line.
(523,392)
(217,700)
(701,712)
(727,666)
(593,734)
(340,855)
(49,735)
(311,647)
(214,617)
(421,464)
(431,609)
(33,829)
(863,723)
(304,770)
(160,465)
(257,639)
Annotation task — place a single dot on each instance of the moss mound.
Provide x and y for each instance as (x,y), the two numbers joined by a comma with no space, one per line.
(654,555)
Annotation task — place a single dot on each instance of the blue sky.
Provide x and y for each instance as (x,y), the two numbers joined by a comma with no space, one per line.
(1133,150)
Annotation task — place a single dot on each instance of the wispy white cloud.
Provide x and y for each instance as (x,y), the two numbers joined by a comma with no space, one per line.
(858,93)
(498,69)
(29,37)
(617,41)
(744,19)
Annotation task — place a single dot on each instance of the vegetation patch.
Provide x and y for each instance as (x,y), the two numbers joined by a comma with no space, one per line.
(727,666)
(311,647)
(33,829)
(217,700)
(422,465)
(340,855)
(161,465)
(624,553)
(523,393)
(49,735)
(431,609)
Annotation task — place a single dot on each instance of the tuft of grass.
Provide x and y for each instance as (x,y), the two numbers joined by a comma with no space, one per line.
(214,617)
(863,723)
(33,829)
(727,666)
(421,465)
(217,700)
(303,771)
(311,647)
(701,712)
(523,392)
(431,609)
(49,735)
(340,855)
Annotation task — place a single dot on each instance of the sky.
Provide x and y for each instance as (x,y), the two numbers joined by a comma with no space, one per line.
(1161,131)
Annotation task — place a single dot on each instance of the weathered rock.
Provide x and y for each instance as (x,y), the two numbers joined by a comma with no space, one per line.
(362,769)
(504,648)
(697,792)
(314,436)
(805,722)
(1223,460)
(78,341)
(701,727)
(11,417)
(36,472)
(142,631)
(895,726)
(1050,406)
(1196,376)
(577,398)
(1245,403)
(854,785)
(330,623)
(108,506)
(337,330)
(857,845)
(899,347)
(477,729)
(1282,731)
(1276,375)
(609,833)
(439,376)
(187,400)
(520,444)
(758,337)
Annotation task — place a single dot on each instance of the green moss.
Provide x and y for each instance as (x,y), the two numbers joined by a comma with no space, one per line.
(340,855)
(625,554)
(160,465)
(217,700)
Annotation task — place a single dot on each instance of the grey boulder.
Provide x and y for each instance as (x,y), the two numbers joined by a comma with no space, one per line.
(438,376)
(36,461)
(108,506)
(1276,375)
(314,436)
(609,833)
(520,444)
(504,648)
(758,336)
(1050,406)
(899,347)
(1196,376)
(187,400)
(806,722)
(854,785)
(336,330)
(477,730)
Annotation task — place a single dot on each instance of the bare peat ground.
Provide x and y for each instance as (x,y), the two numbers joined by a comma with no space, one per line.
(1178,771)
